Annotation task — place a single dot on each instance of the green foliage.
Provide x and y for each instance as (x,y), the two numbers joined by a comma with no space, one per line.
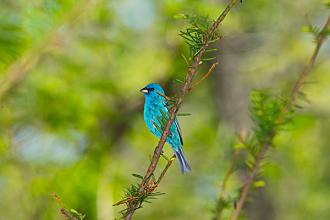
(259,184)
(71,214)
(183,114)
(267,114)
(134,197)
(196,33)
(30,27)
(316,31)
(82,102)
(11,37)
(327,3)
(77,214)
(223,204)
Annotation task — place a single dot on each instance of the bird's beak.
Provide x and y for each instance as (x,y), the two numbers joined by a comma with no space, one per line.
(144,90)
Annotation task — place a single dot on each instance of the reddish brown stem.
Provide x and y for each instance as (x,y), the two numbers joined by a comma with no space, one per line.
(204,76)
(169,163)
(218,211)
(67,214)
(247,184)
(152,184)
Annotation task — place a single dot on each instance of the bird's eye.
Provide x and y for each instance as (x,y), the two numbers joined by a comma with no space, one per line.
(151,89)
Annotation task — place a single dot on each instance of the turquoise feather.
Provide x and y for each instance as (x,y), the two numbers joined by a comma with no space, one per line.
(155,111)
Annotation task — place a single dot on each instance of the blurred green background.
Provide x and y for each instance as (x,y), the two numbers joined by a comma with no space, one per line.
(71,115)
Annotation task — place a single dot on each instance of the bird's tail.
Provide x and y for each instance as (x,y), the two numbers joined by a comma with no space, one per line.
(184,166)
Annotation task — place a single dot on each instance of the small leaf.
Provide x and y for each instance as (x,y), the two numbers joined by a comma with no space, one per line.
(157,127)
(137,175)
(74,211)
(185,59)
(326,31)
(211,50)
(153,177)
(209,58)
(327,3)
(81,216)
(165,117)
(259,184)
(163,155)
(183,114)
(306,29)
(180,16)
(179,81)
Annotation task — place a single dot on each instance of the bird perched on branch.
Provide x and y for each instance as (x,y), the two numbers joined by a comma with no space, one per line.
(155,113)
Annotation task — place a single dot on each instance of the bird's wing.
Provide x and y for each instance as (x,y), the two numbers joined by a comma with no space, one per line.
(179,130)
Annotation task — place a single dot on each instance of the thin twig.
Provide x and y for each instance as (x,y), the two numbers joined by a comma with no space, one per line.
(192,71)
(247,184)
(67,214)
(151,187)
(229,172)
(218,210)
(169,163)
(204,76)
(165,96)
(308,66)
(295,90)
(57,199)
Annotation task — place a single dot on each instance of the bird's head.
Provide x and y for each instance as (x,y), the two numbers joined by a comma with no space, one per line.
(152,91)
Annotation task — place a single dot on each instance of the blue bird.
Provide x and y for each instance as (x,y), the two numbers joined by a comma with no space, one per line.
(154,108)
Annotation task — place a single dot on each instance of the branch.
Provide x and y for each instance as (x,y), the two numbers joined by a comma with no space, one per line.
(192,71)
(72,214)
(308,66)
(169,163)
(294,93)
(205,76)
(151,187)
(67,214)
(221,202)
(221,199)
(248,182)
